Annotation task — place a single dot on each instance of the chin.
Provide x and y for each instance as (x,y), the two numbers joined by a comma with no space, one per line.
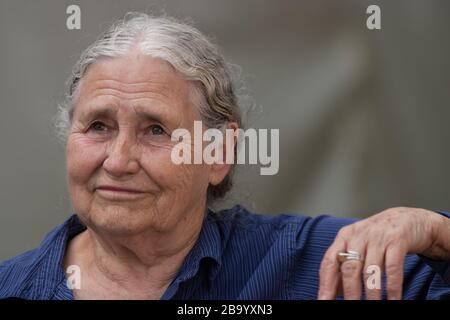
(118,220)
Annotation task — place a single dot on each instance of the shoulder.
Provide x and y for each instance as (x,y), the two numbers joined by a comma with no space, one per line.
(32,274)
(290,231)
(16,274)
(240,219)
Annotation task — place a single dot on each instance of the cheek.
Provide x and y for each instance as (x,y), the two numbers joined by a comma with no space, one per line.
(179,179)
(83,157)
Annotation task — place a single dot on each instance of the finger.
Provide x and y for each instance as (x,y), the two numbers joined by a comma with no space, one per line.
(329,271)
(373,269)
(340,290)
(351,271)
(395,257)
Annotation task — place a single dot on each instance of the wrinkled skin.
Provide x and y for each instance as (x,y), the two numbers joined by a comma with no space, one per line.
(382,240)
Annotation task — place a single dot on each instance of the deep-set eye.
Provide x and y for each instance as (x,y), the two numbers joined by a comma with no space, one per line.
(156,130)
(98,126)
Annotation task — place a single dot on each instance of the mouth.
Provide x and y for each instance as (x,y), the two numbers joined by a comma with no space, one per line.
(119,193)
(119,189)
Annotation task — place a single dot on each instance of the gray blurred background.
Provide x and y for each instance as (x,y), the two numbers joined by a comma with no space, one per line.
(363,115)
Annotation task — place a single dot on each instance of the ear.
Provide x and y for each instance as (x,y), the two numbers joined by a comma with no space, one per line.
(219,171)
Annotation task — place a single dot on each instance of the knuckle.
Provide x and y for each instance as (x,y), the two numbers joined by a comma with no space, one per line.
(360,229)
(350,269)
(393,269)
(396,212)
(345,232)
(326,264)
(393,238)
(395,209)
(389,214)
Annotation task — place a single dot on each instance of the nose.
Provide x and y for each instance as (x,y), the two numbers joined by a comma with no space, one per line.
(122,156)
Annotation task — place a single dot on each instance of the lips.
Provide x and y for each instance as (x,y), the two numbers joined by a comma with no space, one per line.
(119,189)
(119,193)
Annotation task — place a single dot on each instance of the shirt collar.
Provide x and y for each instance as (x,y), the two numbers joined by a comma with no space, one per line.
(208,245)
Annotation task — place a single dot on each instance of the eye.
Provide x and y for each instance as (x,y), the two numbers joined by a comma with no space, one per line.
(156,130)
(98,126)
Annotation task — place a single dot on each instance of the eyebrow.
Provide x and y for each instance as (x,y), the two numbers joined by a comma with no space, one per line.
(105,111)
(98,112)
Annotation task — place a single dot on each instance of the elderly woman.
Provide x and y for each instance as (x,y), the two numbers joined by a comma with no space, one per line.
(143,228)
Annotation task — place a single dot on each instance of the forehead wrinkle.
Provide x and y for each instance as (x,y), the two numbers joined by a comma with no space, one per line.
(132,74)
(135,87)
(161,90)
(139,104)
(101,106)
(98,108)
(168,95)
(126,98)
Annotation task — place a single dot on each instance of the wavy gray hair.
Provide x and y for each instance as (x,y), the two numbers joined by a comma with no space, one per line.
(190,52)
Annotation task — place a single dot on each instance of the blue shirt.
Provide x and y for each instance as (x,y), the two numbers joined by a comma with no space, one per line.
(238,255)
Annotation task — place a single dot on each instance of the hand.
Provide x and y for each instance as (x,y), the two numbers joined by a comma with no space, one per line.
(382,240)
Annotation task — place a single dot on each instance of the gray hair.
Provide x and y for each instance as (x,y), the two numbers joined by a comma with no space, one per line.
(191,54)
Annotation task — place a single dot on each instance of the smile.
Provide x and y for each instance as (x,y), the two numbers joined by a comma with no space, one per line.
(119,193)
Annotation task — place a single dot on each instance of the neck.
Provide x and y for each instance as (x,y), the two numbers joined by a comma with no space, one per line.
(142,264)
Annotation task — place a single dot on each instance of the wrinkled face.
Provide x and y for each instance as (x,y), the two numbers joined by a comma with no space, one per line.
(120,174)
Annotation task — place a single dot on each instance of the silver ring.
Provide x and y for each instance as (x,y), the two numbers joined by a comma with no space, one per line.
(349,255)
